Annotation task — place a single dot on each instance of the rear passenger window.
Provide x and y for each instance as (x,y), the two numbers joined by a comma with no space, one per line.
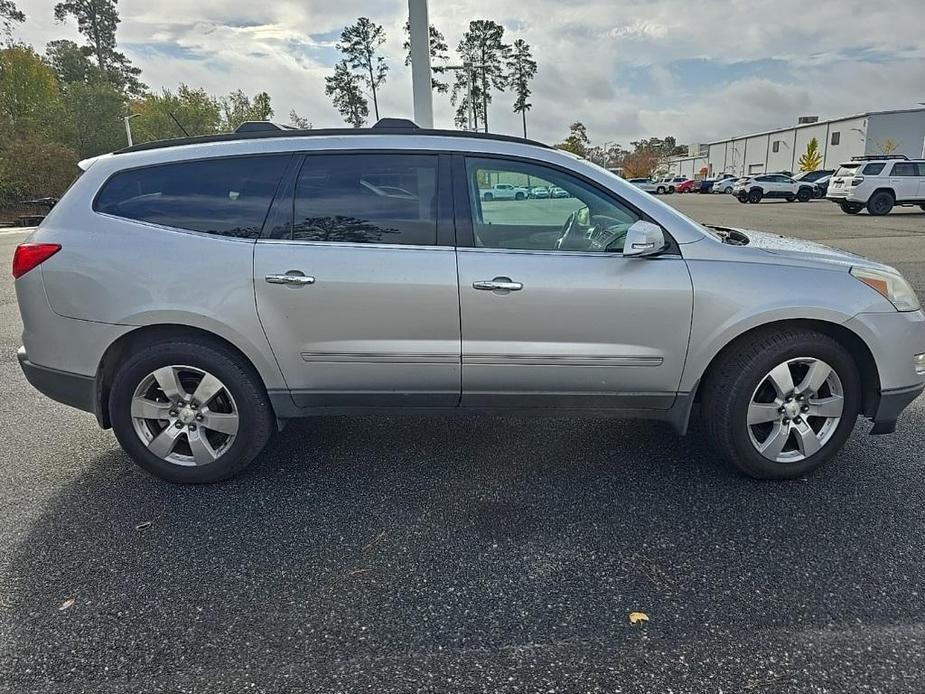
(228,196)
(905,169)
(367,198)
(872,169)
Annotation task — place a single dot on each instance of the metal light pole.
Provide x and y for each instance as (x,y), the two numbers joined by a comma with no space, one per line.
(420,63)
(128,127)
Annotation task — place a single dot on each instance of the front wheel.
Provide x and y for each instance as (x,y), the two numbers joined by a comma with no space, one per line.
(519,196)
(190,411)
(488,196)
(743,198)
(804,194)
(754,196)
(727,190)
(660,191)
(780,403)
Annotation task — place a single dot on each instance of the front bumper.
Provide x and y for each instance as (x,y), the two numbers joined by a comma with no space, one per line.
(71,389)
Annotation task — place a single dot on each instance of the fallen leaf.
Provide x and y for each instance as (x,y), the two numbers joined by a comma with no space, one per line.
(144,525)
(66,604)
(637,617)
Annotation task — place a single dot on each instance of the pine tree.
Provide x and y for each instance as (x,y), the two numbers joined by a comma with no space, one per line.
(360,43)
(344,89)
(521,69)
(438,55)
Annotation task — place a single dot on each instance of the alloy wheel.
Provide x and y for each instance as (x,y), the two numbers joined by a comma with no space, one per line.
(184,415)
(795,410)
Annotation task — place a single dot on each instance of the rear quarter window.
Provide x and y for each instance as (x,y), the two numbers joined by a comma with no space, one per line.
(228,196)
(872,169)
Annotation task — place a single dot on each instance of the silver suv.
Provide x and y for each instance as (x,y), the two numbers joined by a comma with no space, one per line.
(196,294)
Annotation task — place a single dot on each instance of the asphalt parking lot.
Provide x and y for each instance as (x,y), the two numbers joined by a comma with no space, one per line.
(466,555)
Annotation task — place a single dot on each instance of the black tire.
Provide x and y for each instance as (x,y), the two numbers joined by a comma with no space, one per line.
(851,207)
(660,191)
(736,374)
(742,198)
(880,203)
(670,190)
(256,418)
(922,207)
(728,190)
(755,195)
(804,194)
(791,198)
(488,196)
(518,196)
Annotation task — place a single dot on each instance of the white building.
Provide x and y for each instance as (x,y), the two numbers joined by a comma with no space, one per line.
(780,150)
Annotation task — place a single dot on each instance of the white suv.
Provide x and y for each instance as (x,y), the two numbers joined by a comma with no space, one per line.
(878,183)
(755,188)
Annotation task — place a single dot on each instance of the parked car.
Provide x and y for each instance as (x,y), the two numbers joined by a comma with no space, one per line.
(505,191)
(725,184)
(813,176)
(646,184)
(195,294)
(557,192)
(755,188)
(878,183)
(539,192)
(822,186)
(687,186)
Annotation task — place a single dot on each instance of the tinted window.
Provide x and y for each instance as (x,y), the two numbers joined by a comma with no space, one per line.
(905,168)
(873,169)
(576,217)
(367,198)
(229,196)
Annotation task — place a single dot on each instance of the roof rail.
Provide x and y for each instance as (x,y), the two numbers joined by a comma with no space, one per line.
(385,126)
(255,126)
(877,157)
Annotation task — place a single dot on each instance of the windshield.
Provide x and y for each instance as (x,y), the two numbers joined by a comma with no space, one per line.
(847,170)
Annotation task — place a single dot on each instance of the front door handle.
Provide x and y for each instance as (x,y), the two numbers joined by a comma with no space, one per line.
(296,280)
(503,284)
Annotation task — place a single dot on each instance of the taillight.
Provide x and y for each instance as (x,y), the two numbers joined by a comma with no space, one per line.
(857,180)
(30,255)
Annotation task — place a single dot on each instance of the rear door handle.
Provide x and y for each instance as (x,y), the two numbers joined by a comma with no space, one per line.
(498,284)
(296,280)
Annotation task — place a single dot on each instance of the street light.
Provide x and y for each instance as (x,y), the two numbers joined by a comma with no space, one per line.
(128,128)
(470,69)
(419,37)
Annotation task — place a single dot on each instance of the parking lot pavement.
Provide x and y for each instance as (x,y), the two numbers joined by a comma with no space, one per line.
(460,555)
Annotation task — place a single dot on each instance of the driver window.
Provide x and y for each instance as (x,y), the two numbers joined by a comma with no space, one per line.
(527,206)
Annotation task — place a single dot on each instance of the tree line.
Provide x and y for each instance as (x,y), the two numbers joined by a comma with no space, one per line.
(645,158)
(488,65)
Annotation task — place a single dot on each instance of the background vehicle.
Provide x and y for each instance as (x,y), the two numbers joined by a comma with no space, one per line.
(377,280)
(822,186)
(557,192)
(814,177)
(646,184)
(505,191)
(754,189)
(878,183)
(687,186)
(725,184)
(539,193)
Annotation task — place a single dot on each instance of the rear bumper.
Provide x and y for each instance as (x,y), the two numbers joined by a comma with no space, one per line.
(71,389)
(892,403)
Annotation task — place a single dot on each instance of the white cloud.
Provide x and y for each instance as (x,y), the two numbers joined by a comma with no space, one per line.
(612,64)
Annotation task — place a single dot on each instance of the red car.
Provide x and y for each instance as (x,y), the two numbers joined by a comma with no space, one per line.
(687,186)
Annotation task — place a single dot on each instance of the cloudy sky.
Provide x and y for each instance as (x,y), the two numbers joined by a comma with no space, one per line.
(699,70)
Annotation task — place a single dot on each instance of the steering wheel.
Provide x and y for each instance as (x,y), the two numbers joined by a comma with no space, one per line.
(571,237)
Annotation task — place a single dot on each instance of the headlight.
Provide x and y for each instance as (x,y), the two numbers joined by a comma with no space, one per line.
(891,286)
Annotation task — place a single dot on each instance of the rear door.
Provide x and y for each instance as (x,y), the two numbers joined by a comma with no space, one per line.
(356,284)
(552,313)
(905,180)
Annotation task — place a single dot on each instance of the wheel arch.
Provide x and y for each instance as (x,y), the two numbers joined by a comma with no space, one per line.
(847,338)
(148,335)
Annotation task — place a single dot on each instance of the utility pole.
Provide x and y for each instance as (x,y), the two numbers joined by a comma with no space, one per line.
(128,127)
(420,63)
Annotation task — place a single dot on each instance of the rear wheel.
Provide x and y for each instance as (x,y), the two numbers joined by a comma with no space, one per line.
(743,198)
(781,403)
(755,195)
(851,207)
(880,203)
(518,196)
(791,198)
(727,190)
(489,196)
(190,412)
(804,195)
(670,189)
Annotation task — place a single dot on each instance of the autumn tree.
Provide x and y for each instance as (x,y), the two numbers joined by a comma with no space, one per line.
(361,43)
(438,55)
(344,89)
(811,159)
(482,45)
(521,70)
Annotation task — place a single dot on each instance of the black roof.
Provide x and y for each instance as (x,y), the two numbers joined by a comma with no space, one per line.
(386,126)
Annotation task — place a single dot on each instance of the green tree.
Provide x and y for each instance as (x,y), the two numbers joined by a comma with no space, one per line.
(197,111)
(521,69)
(98,20)
(29,92)
(71,62)
(438,55)
(92,118)
(811,159)
(344,89)
(9,13)
(360,43)
(483,45)
(297,121)
(51,168)
(237,108)
(577,141)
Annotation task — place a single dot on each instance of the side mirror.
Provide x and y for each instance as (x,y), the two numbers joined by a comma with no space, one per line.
(642,239)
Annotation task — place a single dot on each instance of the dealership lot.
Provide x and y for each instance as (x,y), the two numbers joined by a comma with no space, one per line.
(478,554)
